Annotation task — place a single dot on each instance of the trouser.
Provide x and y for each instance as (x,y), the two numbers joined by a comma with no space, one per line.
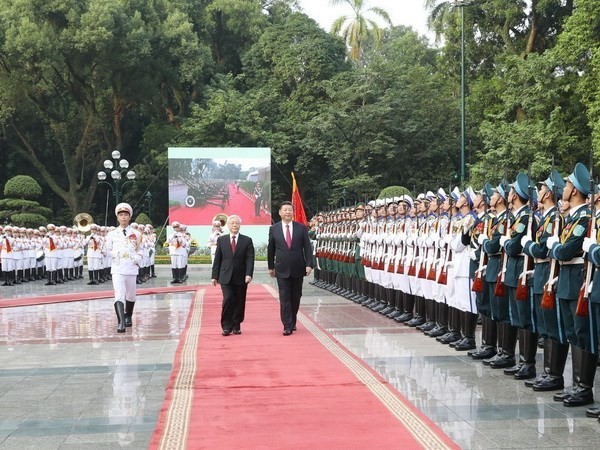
(124,286)
(234,305)
(290,292)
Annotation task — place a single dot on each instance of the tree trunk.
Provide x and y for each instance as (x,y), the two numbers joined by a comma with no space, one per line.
(533,32)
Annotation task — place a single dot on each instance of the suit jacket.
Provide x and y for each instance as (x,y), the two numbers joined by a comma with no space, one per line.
(232,268)
(289,262)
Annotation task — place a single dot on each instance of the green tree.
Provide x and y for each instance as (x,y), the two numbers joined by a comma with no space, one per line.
(19,206)
(359,29)
(74,71)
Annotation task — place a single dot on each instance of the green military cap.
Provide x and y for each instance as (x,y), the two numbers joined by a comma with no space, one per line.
(555,183)
(580,179)
(487,191)
(521,185)
(360,205)
(503,188)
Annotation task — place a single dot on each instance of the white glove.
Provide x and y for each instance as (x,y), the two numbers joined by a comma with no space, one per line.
(429,242)
(525,240)
(503,240)
(472,254)
(551,241)
(137,259)
(481,239)
(447,238)
(440,243)
(587,243)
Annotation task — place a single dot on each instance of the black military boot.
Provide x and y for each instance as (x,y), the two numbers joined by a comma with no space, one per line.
(128,312)
(138,279)
(557,356)
(576,365)
(508,343)
(527,371)
(175,279)
(49,282)
(583,395)
(469,325)
(92,279)
(546,371)
(120,310)
(5,278)
(487,349)
(153,274)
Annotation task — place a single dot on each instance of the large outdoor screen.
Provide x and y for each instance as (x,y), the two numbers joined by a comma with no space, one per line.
(209,184)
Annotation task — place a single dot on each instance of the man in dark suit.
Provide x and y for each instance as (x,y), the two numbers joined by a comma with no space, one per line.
(290,259)
(233,268)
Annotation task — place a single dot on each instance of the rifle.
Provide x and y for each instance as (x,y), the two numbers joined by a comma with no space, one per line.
(582,308)
(432,275)
(522,289)
(412,269)
(443,278)
(423,262)
(500,289)
(477,285)
(549,296)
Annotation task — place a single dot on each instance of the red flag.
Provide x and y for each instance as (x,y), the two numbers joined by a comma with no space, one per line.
(299,214)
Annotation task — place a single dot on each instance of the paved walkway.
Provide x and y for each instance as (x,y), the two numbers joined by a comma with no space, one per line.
(68,380)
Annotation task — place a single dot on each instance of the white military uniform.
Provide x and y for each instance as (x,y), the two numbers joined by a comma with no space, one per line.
(124,246)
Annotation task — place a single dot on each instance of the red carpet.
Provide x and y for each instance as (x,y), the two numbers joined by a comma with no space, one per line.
(265,390)
(90,295)
(239,203)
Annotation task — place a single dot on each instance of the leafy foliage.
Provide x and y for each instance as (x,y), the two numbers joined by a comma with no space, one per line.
(22,186)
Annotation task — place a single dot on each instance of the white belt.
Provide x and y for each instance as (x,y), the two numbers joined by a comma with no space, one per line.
(540,260)
(579,260)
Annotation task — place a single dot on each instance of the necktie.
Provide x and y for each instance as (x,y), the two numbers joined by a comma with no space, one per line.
(124,232)
(288,236)
(232,244)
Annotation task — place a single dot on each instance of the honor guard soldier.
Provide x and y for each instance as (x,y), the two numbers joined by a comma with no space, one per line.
(6,254)
(175,241)
(124,243)
(544,285)
(590,245)
(505,355)
(568,250)
(520,306)
(94,255)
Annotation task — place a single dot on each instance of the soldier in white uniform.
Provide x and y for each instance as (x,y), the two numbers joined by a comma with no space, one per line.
(6,253)
(94,255)
(175,240)
(124,246)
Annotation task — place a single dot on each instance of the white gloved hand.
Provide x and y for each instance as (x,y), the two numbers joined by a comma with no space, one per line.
(525,240)
(429,242)
(447,238)
(587,243)
(481,239)
(551,241)
(503,240)
(472,254)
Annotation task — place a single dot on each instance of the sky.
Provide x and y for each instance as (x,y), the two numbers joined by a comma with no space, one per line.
(402,12)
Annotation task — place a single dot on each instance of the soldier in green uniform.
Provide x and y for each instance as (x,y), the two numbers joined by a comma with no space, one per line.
(505,355)
(555,352)
(520,309)
(568,250)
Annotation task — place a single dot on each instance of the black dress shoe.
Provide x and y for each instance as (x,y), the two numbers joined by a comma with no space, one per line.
(513,370)
(294,328)
(526,372)
(503,361)
(237,331)
(580,397)
(549,383)
(437,332)
(483,352)
(594,411)
(561,396)
(530,382)
(465,344)
(226,332)
(415,322)
(405,317)
(451,336)
(287,332)
(427,326)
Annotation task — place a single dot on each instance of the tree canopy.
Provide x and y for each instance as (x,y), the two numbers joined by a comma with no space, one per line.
(81,78)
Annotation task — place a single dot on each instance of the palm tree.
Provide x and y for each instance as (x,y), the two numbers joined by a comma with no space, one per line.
(358,29)
(439,16)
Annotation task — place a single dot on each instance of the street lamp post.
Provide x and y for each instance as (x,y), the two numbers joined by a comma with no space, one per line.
(461,4)
(113,174)
(149,200)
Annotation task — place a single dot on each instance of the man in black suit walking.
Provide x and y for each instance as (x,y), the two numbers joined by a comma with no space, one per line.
(289,258)
(233,269)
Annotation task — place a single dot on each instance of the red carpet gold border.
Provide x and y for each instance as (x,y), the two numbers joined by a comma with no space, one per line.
(178,416)
(419,429)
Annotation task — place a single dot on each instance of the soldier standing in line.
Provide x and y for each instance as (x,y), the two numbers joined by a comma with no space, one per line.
(487,349)
(6,254)
(568,249)
(522,322)
(94,255)
(175,241)
(555,352)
